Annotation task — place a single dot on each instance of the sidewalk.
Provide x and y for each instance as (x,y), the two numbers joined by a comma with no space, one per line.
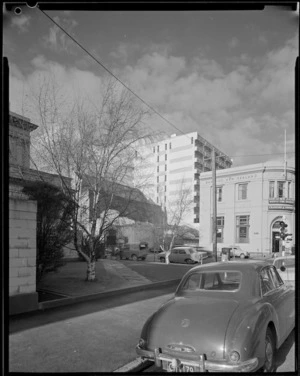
(68,285)
(69,280)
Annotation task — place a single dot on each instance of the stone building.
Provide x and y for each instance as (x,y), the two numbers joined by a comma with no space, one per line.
(251,202)
(22,217)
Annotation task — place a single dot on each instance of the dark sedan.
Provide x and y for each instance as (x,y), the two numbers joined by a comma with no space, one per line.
(224,317)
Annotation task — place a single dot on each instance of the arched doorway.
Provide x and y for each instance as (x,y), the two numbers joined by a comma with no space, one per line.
(275,235)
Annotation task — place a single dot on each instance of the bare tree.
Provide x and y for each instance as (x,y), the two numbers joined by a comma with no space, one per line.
(177,208)
(95,146)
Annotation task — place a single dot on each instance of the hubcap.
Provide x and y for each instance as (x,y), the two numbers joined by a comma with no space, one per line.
(269,354)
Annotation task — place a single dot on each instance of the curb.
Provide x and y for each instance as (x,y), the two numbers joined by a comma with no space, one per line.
(78,299)
(136,365)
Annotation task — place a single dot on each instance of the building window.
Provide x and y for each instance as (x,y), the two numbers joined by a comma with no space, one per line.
(157,189)
(165,177)
(242,228)
(192,140)
(153,149)
(170,145)
(157,168)
(219,194)
(158,158)
(280,189)
(242,191)
(157,148)
(271,189)
(166,146)
(158,179)
(165,188)
(166,157)
(165,167)
(220,229)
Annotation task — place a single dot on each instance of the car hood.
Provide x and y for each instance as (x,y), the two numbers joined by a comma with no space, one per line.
(200,322)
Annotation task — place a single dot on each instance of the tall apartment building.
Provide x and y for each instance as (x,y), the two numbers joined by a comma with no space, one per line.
(177,160)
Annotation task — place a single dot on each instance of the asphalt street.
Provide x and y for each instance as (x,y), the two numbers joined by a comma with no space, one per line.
(100,341)
(98,336)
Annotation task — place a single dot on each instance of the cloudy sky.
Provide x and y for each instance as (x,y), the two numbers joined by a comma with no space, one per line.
(228,75)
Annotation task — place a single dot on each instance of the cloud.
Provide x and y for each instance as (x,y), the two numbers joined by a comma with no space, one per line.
(233,43)
(242,111)
(57,40)
(21,22)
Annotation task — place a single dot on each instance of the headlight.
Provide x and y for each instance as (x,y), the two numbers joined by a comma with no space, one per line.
(142,343)
(234,356)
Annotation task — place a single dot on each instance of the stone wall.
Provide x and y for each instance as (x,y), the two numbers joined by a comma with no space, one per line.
(22,256)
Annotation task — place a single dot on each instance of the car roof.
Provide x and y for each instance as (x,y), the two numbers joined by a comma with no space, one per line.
(182,247)
(233,265)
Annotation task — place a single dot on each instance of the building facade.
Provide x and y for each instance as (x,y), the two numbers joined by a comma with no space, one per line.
(23,296)
(251,201)
(177,162)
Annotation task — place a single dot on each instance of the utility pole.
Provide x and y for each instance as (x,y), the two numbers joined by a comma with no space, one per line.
(214,205)
(285,163)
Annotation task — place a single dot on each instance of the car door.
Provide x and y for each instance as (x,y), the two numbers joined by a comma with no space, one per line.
(173,255)
(274,293)
(183,254)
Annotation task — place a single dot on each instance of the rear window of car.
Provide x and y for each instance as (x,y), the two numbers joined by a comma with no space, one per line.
(213,280)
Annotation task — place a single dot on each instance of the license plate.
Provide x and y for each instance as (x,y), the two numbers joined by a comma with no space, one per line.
(184,367)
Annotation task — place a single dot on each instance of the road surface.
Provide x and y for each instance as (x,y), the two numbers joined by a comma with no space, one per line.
(96,337)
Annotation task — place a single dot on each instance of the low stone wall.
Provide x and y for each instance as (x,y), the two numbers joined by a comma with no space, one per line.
(22,256)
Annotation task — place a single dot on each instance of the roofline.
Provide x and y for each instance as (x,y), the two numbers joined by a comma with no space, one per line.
(258,167)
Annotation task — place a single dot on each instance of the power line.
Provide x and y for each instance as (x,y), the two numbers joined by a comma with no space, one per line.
(107,70)
(136,95)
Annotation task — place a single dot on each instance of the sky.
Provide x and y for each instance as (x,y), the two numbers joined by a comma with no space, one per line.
(229,75)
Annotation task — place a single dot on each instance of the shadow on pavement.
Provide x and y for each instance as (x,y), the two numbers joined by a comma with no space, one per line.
(38,318)
(283,351)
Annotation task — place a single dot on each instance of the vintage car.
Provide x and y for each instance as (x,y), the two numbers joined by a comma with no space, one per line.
(235,251)
(186,255)
(224,317)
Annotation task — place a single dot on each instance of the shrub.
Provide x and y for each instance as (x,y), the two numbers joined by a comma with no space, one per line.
(54,218)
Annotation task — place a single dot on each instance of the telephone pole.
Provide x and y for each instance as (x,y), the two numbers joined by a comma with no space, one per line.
(214,205)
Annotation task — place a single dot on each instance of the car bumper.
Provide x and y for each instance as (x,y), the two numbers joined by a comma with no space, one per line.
(202,364)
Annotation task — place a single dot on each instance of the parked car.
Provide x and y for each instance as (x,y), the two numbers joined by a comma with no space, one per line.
(236,251)
(285,266)
(223,317)
(187,255)
(134,252)
(204,252)
(156,255)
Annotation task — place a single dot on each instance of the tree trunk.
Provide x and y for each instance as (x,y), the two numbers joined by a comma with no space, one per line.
(91,271)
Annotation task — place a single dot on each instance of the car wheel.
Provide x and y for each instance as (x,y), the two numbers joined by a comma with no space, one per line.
(189,261)
(162,259)
(134,257)
(242,256)
(269,365)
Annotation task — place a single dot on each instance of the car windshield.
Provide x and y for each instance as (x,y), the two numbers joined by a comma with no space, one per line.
(289,262)
(213,280)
